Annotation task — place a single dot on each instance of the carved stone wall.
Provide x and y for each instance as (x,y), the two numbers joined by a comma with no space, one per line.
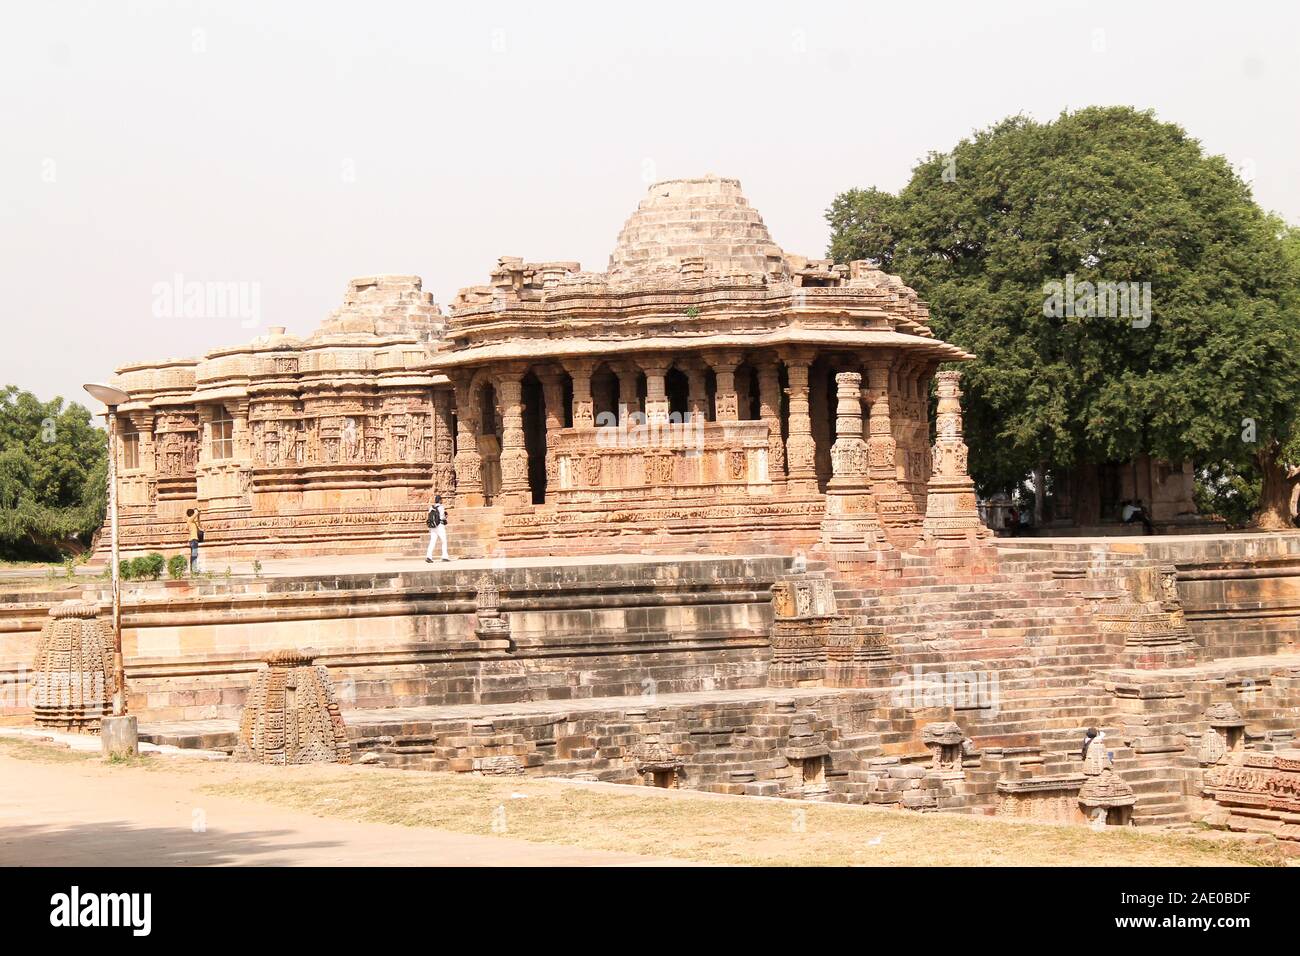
(347,423)
(1260,792)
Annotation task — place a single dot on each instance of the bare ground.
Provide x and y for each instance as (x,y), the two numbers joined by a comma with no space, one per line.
(59,807)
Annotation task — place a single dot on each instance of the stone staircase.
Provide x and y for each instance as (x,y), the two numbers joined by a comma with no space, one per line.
(1020,631)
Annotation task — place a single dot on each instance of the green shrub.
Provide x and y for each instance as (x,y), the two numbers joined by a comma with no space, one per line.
(177,565)
(144,567)
(151,566)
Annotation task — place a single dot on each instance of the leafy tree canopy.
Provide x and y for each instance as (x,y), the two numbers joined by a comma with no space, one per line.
(52,475)
(1105,194)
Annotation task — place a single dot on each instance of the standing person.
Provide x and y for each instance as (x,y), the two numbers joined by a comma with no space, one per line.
(1089,736)
(437,522)
(195,529)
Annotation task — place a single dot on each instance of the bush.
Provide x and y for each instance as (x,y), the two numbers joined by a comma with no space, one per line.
(145,567)
(150,566)
(177,565)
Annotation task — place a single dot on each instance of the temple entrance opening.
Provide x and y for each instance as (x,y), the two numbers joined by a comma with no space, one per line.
(678,389)
(535,437)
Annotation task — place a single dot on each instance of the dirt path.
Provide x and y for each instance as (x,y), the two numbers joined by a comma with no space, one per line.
(82,813)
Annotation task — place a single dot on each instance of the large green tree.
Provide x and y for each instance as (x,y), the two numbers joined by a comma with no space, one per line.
(994,233)
(52,476)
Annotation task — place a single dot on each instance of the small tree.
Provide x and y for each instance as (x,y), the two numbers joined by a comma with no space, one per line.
(177,565)
(151,566)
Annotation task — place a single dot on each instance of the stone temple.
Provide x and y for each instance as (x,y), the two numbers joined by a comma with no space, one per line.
(730,548)
(707,389)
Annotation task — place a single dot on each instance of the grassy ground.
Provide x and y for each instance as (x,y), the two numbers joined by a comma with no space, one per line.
(42,752)
(672,824)
(727,831)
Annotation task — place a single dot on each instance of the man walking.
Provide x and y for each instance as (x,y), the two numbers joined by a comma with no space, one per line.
(437,522)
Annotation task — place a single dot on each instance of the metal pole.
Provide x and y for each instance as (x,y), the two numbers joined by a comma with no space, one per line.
(119,669)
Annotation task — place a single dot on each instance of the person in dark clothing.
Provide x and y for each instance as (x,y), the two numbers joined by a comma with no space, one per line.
(1088,738)
(1133,511)
(437,522)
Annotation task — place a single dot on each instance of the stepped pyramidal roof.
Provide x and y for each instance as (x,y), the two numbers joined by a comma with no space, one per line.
(707,220)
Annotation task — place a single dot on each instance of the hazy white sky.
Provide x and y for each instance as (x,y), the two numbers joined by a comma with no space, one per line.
(295,145)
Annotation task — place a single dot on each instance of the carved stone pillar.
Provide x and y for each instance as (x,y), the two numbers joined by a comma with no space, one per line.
(821,426)
(514,454)
(142,422)
(468,463)
(851,520)
(769,410)
(148,461)
(203,454)
(656,398)
(800,452)
(697,402)
(896,506)
(584,406)
(629,401)
(553,394)
(920,465)
(881,447)
(848,454)
(443,444)
(950,509)
(725,401)
(241,444)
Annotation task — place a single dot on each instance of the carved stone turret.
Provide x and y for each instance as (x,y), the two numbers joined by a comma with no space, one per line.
(945,742)
(291,715)
(73,669)
(1106,799)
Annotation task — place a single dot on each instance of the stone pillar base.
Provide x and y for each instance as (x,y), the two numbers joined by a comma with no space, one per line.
(951,515)
(851,521)
(120,736)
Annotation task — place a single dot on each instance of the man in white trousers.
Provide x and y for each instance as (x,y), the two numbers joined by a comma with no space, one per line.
(437,522)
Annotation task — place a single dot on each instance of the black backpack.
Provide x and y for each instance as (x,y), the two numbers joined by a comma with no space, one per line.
(434,518)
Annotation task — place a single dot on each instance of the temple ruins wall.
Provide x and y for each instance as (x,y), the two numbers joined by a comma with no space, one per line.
(452,637)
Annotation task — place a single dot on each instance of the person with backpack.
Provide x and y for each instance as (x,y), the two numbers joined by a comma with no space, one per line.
(195,530)
(437,522)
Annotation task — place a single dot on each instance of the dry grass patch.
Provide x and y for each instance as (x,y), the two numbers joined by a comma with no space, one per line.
(720,831)
(43,751)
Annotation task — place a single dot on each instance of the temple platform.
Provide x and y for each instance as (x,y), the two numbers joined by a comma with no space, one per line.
(758,674)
